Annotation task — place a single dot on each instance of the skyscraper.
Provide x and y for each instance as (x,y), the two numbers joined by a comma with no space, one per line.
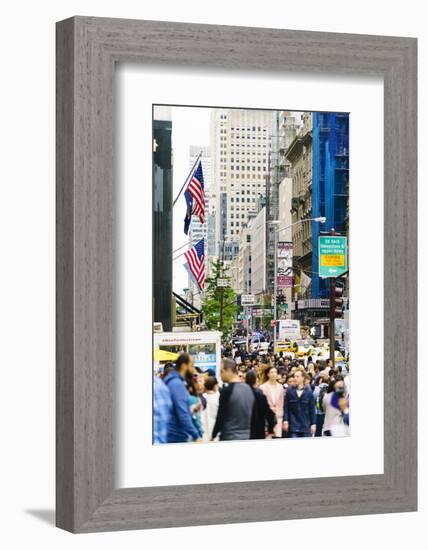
(285,126)
(240,144)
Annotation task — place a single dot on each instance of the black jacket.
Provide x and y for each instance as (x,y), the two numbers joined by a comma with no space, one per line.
(263,417)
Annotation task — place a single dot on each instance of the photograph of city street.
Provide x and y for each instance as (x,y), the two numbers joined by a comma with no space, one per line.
(250,274)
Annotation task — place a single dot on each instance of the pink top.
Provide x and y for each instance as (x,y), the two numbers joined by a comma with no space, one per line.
(275,397)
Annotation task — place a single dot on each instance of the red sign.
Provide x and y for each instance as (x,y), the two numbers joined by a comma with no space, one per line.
(284,281)
(272,323)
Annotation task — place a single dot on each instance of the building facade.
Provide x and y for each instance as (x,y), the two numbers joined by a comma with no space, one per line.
(319,158)
(330,193)
(285,192)
(299,155)
(257,238)
(162,217)
(285,126)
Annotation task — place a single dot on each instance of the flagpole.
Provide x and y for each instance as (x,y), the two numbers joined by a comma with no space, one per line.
(180,247)
(179,256)
(188,177)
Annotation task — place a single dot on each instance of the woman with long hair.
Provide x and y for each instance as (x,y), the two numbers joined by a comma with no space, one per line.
(274,392)
(262,418)
(195,403)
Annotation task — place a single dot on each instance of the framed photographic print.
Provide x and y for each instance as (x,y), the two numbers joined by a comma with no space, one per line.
(236,274)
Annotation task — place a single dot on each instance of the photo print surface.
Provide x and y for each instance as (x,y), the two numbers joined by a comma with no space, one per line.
(251,274)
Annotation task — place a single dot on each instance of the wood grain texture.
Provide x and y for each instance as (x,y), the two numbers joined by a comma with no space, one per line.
(87,49)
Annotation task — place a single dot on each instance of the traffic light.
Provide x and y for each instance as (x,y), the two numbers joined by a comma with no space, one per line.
(280,299)
(337,304)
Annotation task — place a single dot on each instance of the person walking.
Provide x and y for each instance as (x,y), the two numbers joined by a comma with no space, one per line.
(195,403)
(162,407)
(299,408)
(336,407)
(181,427)
(320,390)
(274,392)
(209,414)
(263,420)
(235,405)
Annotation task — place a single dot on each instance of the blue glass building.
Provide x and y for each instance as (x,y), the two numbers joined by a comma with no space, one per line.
(330,176)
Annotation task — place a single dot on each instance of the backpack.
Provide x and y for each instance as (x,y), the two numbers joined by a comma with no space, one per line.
(320,398)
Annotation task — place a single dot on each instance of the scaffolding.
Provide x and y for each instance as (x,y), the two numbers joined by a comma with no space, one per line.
(330,176)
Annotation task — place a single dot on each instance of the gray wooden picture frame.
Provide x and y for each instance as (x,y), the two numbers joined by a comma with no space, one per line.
(87,51)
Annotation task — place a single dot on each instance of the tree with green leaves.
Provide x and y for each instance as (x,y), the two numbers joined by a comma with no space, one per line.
(266,319)
(220,305)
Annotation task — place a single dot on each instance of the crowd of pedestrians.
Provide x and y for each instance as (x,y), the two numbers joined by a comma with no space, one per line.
(261,397)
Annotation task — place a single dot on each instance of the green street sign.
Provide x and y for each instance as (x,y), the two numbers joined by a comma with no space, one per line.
(332,256)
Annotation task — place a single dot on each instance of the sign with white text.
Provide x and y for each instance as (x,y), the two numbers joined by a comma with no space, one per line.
(332,256)
(288,329)
(248,300)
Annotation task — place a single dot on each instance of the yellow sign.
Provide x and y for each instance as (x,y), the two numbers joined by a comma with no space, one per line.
(332,260)
(332,255)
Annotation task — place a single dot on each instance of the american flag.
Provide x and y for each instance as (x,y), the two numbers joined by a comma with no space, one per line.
(195,198)
(196,261)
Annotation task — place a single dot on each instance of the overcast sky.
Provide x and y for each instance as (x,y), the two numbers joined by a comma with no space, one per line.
(190,126)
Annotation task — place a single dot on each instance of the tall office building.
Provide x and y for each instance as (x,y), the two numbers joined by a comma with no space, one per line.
(299,156)
(285,126)
(240,144)
(258,252)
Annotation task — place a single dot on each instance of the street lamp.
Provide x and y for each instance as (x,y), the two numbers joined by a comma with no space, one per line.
(319,219)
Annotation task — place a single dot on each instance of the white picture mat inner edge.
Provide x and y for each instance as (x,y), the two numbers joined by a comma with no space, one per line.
(139,462)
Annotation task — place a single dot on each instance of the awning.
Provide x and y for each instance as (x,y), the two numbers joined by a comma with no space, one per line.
(163,355)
